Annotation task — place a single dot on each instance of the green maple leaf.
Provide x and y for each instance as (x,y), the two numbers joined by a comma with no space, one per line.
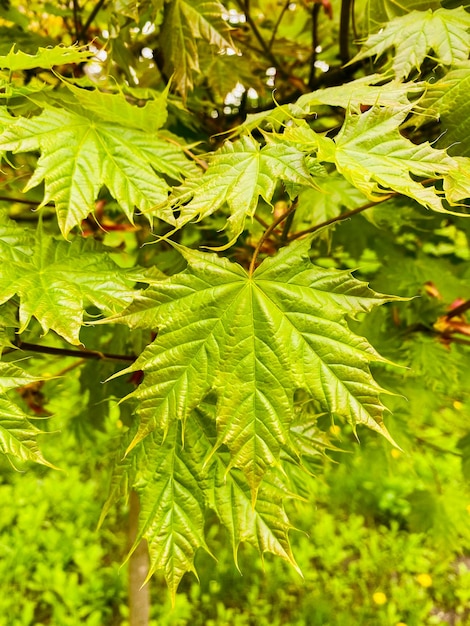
(172,503)
(447,101)
(370,152)
(82,150)
(415,34)
(17,433)
(45,58)
(239,173)
(253,341)
(55,279)
(185,22)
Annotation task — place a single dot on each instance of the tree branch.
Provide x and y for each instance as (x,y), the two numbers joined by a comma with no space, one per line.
(278,22)
(315,43)
(80,354)
(339,218)
(344,30)
(96,9)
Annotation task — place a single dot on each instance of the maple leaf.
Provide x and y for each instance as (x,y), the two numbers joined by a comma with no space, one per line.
(80,152)
(415,34)
(239,173)
(17,433)
(370,152)
(183,25)
(253,341)
(55,279)
(45,58)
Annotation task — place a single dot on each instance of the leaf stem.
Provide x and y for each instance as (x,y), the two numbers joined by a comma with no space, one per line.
(339,218)
(82,354)
(458,310)
(267,233)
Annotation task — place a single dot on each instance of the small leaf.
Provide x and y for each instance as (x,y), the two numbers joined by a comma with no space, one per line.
(416,34)
(45,58)
(239,173)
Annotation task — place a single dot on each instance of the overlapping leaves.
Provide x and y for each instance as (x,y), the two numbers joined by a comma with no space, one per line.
(253,341)
(239,174)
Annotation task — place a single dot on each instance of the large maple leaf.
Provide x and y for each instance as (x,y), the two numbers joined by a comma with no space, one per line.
(253,341)
(97,139)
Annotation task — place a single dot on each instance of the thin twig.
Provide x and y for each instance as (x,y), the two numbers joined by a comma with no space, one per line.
(22,201)
(315,43)
(458,310)
(344,31)
(267,233)
(83,31)
(81,354)
(278,23)
(339,218)
(245,7)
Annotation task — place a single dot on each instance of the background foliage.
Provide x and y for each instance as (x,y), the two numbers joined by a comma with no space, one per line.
(186,188)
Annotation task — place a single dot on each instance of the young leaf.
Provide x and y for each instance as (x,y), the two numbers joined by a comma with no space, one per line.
(253,341)
(45,58)
(415,34)
(184,24)
(56,280)
(239,173)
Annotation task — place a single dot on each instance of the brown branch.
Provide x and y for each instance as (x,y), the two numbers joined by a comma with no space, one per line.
(266,235)
(458,310)
(245,7)
(339,218)
(83,31)
(313,59)
(344,30)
